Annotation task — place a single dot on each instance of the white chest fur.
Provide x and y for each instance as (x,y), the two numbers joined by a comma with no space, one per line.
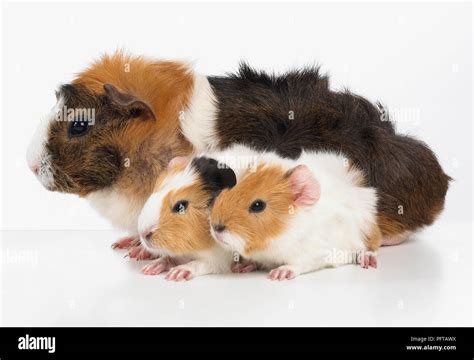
(122,211)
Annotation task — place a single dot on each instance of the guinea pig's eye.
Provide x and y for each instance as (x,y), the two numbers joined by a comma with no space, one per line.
(180,207)
(78,127)
(257,206)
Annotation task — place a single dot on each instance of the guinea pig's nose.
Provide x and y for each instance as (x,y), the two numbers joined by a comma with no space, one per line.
(219,228)
(34,168)
(147,234)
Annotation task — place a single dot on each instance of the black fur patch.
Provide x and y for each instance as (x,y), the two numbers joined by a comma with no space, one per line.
(297,110)
(214,175)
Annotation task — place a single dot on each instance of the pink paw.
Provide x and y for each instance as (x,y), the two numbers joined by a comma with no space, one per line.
(368,259)
(244,267)
(126,242)
(281,273)
(139,253)
(158,266)
(179,273)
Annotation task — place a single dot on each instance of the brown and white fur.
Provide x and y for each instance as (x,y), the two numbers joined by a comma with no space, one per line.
(136,132)
(174,224)
(317,212)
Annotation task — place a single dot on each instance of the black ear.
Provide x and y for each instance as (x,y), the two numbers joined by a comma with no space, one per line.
(215,175)
(134,106)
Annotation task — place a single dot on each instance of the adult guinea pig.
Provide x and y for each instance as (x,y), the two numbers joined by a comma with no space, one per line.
(112,132)
(174,221)
(297,216)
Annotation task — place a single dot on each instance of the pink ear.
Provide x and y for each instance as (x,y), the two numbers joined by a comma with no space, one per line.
(305,187)
(178,160)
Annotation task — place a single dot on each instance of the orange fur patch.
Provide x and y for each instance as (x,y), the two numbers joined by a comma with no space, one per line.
(390,227)
(373,238)
(188,232)
(147,145)
(268,183)
(165,85)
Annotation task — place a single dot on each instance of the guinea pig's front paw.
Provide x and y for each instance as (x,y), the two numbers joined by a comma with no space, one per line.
(285,272)
(126,242)
(158,266)
(139,253)
(368,259)
(180,273)
(243,267)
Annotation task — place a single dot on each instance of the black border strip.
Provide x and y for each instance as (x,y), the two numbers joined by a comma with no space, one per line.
(84,341)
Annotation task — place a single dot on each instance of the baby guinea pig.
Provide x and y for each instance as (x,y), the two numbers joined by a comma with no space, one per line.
(174,221)
(297,216)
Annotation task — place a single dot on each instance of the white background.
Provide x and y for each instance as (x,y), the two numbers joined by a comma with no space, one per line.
(416,59)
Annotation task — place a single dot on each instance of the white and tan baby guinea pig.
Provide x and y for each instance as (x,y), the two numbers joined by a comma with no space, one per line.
(174,222)
(297,216)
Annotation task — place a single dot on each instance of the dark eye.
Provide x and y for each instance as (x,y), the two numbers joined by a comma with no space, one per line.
(78,127)
(180,207)
(257,206)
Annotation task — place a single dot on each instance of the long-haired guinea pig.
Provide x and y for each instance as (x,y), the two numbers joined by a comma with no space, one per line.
(297,216)
(174,221)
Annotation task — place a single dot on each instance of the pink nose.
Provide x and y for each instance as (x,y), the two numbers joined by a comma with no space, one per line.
(34,168)
(146,234)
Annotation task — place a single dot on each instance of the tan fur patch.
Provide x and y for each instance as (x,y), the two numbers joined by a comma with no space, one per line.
(390,227)
(147,145)
(268,183)
(187,232)
(175,169)
(434,212)
(165,85)
(373,238)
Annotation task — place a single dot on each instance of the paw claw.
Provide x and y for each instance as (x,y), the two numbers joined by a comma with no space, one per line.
(126,242)
(135,249)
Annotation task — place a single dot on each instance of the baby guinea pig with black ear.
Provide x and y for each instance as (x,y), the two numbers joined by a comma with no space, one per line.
(297,216)
(174,221)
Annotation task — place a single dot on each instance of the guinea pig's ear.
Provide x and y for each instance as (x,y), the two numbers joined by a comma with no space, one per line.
(216,176)
(304,186)
(178,161)
(135,107)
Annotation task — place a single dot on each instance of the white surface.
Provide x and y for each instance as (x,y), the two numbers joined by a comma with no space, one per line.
(74,278)
(415,58)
